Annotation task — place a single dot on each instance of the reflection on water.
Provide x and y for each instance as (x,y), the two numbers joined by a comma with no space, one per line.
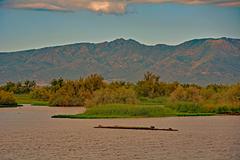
(29,133)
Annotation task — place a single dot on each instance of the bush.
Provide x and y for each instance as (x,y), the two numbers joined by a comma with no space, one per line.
(7,98)
(120,95)
(149,86)
(40,93)
(69,95)
(233,95)
(75,93)
(59,99)
(152,87)
(191,94)
(93,82)
(19,87)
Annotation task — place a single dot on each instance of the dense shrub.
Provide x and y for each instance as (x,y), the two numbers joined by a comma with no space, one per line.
(40,93)
(75,93)
(19,87)
(233,94)
(208,93)
(93,90)
(151,86)
(70,94)
(191,94)
(93,82)
(7,98)
(120,95)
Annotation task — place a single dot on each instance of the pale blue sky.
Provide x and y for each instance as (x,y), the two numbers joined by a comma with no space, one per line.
(148,23)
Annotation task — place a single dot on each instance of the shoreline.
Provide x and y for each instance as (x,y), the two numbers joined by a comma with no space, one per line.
(82,115)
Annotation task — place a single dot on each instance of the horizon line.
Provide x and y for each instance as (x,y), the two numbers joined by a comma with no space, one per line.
(119,38)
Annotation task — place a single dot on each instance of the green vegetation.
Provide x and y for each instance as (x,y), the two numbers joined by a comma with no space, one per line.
(153,101)
(75,93)
(129,111)
(7,99)
(151,86)
(26,99)
(19,87)
(68,95)
(108,95)
(40,93)
(123,111)
(149,97)
(195,114)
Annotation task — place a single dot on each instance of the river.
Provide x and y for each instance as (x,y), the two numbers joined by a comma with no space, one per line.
(28,133)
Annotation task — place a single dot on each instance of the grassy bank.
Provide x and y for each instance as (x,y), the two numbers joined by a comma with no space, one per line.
(129,111)
(194,114)
(9,106)
(26,99)
(153,101)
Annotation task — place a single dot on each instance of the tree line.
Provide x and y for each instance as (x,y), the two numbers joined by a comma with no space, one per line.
(94,90)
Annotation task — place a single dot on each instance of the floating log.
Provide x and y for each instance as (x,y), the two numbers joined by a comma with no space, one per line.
(136,128)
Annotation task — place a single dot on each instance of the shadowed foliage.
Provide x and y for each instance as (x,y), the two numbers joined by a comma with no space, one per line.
(7,98)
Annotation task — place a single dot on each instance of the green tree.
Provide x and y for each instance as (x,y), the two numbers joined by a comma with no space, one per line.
(56,84)
(9,86)
(108,95)
(93,82)
(28,86)
(70,94)
(149,86)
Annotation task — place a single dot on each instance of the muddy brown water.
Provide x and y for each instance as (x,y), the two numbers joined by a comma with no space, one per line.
(28,133)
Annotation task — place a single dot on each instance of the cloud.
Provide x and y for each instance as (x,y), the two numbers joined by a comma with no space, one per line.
(102,6)
(230,4)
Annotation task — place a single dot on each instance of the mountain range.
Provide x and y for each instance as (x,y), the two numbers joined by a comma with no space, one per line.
(200,61)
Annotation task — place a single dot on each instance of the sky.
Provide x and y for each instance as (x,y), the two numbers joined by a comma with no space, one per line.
(30,24)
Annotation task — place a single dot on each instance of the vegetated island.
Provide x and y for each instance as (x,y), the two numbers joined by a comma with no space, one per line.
(129,111)
(149,97)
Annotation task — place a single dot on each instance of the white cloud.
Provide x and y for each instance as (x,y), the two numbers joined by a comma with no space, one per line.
(103,6)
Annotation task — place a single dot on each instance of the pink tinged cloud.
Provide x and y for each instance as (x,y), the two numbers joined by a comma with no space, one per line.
(37,6)
(230,4)
(104,6)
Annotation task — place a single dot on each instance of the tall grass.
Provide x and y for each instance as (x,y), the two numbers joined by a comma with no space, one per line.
(153,101)
(187,107)
(130,110)
(221,109)
(123,111)
(157,107)
(26,99)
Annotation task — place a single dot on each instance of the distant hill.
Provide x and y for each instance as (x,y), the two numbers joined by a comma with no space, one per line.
(201,61)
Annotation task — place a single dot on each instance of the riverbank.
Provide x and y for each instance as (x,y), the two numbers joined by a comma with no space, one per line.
(129,111)
(10,106)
